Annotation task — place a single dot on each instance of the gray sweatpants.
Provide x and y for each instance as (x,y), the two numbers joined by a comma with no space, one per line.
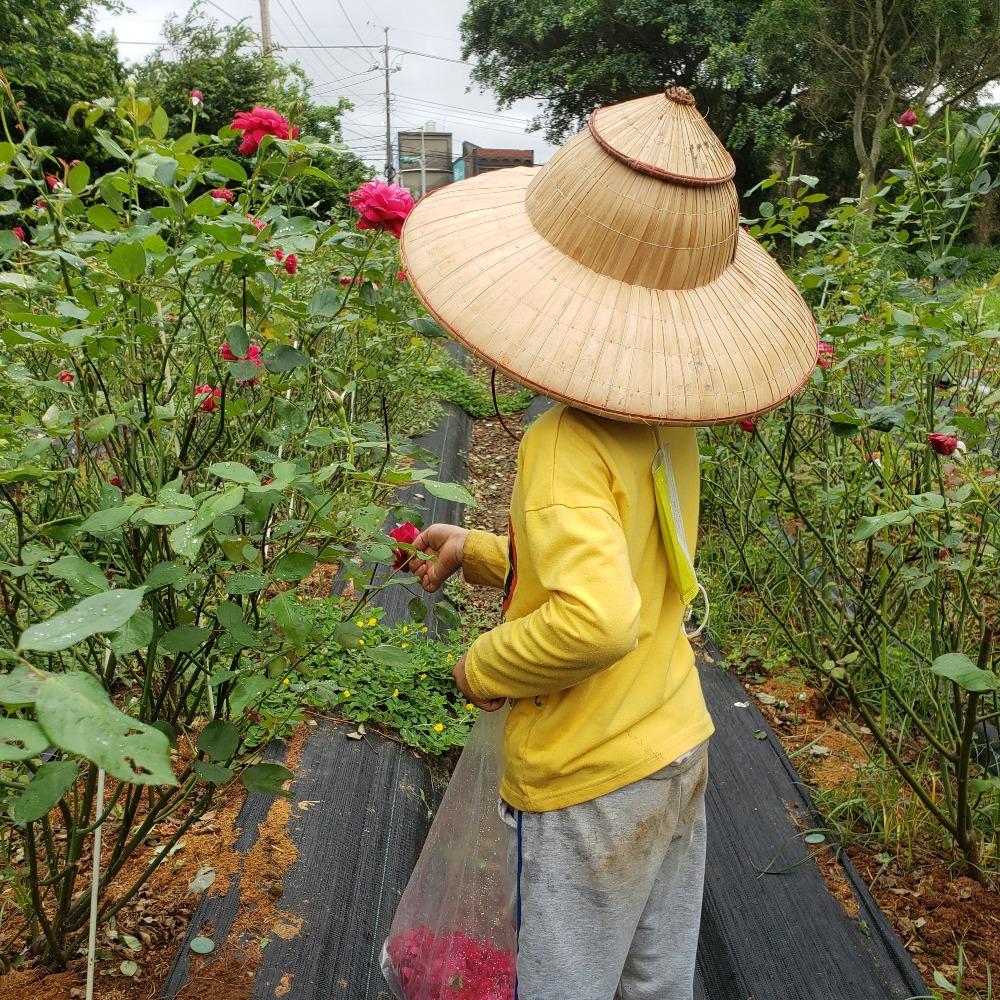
(608,892)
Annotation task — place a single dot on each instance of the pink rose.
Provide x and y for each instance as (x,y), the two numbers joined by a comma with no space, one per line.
(223,194)
(19,233)
(291,263)
(908,119)
(66,377)
(406,533)
(279,255)
(825,355)
(943,444)
(381,206)
(260,122)
(258,224)
(196,97)
(209,394)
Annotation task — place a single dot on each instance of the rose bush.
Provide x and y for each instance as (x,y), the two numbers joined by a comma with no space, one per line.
(197,414)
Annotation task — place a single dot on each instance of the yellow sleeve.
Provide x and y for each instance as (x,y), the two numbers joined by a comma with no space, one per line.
(589,621)
(484,559)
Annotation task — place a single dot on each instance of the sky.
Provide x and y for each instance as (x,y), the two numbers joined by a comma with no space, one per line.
(424,89)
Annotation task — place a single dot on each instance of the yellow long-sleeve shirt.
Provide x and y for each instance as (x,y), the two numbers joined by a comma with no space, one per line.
(592,649)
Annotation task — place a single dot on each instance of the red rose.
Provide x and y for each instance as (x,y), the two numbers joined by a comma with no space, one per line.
(196,97)
(943,444)
(53,181)
(116,481)
(279,255)
(66,377)
(406,533)
(258,224)
(209,394)
(291,263)
(748,424)
(908,118)
(19,233)
(41,203)
(260,122)
(252,355)
(825,355)
(401,276)
(223,194)
(346,279)
(381,206)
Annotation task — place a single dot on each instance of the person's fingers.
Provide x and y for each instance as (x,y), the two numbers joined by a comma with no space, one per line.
(493,705)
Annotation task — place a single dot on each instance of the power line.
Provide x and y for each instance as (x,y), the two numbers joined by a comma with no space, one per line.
(221,10)
(455,107)
(431,55)
(350,22)
(301,34)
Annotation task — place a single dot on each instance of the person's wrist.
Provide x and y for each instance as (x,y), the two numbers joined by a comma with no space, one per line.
(463,537)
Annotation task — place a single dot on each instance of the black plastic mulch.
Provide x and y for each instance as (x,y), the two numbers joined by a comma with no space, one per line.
(770,928)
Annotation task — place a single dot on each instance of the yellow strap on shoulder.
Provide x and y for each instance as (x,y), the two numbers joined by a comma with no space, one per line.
(668,507)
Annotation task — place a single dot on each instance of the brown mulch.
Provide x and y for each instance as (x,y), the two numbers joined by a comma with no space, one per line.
(932,906)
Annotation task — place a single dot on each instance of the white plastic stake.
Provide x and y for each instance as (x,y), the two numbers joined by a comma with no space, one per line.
(95,879)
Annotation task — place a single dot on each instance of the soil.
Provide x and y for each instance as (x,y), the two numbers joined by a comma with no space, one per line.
(931,905)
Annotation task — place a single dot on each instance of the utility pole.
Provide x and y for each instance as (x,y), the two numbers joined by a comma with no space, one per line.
(423,162)
(265,28)
(389,171)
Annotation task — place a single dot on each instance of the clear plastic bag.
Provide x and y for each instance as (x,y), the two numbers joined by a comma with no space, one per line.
(453,934)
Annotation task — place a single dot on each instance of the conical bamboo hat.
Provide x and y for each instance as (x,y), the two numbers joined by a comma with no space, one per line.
(617,278)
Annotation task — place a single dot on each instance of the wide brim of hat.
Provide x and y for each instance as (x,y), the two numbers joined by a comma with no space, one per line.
(737,346)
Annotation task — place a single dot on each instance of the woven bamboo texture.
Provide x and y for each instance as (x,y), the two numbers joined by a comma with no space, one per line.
(613,288)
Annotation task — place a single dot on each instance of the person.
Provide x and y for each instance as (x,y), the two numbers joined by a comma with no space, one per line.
(615,280)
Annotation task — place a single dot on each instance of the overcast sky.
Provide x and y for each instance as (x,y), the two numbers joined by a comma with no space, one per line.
(424,89)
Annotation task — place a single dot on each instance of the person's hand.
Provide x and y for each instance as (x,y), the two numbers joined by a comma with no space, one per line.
(489,705)
(446,543)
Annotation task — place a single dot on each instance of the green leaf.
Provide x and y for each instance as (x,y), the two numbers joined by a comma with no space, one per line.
(235,472)
(229,169)
(426,326)
(450,491)
(202,945)
(267,779)
(77,715)
(159,124)
(204,877)
(21,739)
(83,576)
(102,522)
(957,667)
(136,634)
(246,582)
(446,615)
(164,574)
(47,786)
(291,618)
(19,688)
(99,428)
(230,617)
(283,358)
(162,516)
(9,241)
(184,639)
(101,217)
(78,178)
(246,692)
(869,526)
(97,614)
(212,773)
(417,609)
(389,656)
(109,145)
(128,968)
(348,635)
(128,260)
(237,339)
(219,739)
(326,302)
(294,566)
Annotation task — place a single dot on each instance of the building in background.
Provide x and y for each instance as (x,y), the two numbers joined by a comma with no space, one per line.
(477,160)
(425,159)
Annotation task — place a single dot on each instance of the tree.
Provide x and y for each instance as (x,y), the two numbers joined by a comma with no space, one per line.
(52,58)
(224,62)
(580,54)
(856,64)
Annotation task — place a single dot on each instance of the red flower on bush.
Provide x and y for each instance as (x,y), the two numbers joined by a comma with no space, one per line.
(908,119)
(455,966)
(19,233)
(401,276)
(116,481)
(406,533)
(381,206)
(196,97)
(825,355)
(205,397)
(346,279)
(291,263)
(748,424)
(53,181)
(66,377)
(223,194)
(260,122)
(258,224)
(41,203)
(279,255)
(943,444)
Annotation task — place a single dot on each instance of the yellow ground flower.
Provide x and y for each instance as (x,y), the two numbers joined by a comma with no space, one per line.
(361,642)
(469,706)
(424,629)
(438,727)
(395,693)
(360,623)
(405,645)
(347,694)
(284,680)
(423,677)
(406,629)
(373,621)
(449,658)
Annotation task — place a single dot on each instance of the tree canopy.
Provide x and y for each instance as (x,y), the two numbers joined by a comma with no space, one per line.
(52,58)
